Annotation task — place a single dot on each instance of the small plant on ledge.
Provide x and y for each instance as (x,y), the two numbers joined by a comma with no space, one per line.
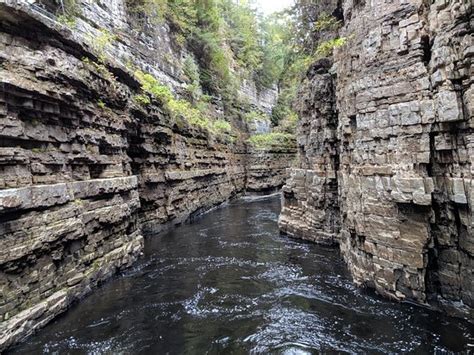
(273,140)
(195,115)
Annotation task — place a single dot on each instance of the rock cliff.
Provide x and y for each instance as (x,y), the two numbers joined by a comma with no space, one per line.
(311,207)
(384,169)
(85,171)
(386,151)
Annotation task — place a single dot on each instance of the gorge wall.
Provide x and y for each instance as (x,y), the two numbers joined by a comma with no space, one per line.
(386,151)
(85,171)
(310,195)
(384,169)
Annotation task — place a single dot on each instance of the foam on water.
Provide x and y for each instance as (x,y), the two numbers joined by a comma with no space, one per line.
(229,282)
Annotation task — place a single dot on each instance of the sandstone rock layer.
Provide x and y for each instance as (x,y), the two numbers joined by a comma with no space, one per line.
(86,172)
(400,155)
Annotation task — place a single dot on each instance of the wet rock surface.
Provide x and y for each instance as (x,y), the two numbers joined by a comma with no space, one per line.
(385,155)
(229,282)
(399,158)
(86,172)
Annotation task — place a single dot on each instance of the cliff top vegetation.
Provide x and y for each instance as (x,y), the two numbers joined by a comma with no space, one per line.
(230,43)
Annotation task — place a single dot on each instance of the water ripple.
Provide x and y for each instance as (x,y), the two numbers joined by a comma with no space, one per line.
(230,283)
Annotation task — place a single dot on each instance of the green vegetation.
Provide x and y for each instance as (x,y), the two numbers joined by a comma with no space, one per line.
(101,42)
(299,31)
(229,43)
(153,87)
(325,48)
(101,104)
(67,12)
(69,21)
(99,68)
(255,116)
(195,115)
(222,126)
(142,100)
(273,140)
(275,51)
(288,124)
(155,10)
(242,33)
(78,202)
(191,71)
(326,22)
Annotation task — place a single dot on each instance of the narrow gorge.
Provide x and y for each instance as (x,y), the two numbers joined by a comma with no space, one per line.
(119,123)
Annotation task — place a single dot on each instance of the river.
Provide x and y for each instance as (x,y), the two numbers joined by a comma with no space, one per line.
(230,283)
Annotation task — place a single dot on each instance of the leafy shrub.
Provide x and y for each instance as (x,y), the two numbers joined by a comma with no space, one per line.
(206,98)
(184,109)
(272,140)
(142,100)
(154,10)
(67,20)
(101,69)
(288,123)
(325,48)
(67,13)
(101,42)
(221,126)
(153,87)
(255,116)
(191,71)
(68,8)
(326,22)
(229,40)
(242,33)
(196,115)
(216,76)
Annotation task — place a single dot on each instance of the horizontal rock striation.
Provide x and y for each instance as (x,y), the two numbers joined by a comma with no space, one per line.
(266,168)
(310,201)
(404,104)
(183,171)
(86,172)
(59,241)
(406,162)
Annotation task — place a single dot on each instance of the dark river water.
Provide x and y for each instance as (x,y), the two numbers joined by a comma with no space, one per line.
(229,283)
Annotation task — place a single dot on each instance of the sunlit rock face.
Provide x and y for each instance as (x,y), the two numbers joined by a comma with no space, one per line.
(86,172)
(260,125)
(403,155)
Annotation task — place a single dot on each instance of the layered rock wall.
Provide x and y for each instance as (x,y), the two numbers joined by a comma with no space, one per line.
(404,103)
(85,171)
(58,242)
(310,195)
(183,171)
(405,110)
(266,168)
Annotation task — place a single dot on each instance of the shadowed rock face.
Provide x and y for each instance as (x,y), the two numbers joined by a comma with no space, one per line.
(85,172)
(311,209)
(401,155)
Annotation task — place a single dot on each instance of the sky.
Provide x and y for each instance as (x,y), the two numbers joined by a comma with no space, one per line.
(269,6)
